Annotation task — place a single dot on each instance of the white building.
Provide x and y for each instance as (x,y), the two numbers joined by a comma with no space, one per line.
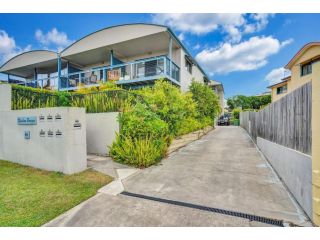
(132,55)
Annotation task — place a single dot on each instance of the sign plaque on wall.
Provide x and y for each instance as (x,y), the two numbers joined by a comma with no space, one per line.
(27,120)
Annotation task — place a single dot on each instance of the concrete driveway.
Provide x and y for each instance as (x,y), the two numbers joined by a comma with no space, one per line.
(222,170)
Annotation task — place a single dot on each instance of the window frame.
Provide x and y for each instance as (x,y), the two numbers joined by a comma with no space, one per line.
(308,69)
(188,62)
(282,89)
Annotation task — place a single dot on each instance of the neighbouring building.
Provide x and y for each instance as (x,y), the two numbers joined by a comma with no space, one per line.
(263,94)
(217,87)
(132,55)
(304,67)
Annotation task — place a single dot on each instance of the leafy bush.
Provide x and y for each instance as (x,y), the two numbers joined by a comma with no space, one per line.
(188,125)
(139,152)
(92,99)
(143,139)
(29,98)
(170,104)
(248,102)
(207,102)
(104,101)
(140,122)
(102,86)
(236,113)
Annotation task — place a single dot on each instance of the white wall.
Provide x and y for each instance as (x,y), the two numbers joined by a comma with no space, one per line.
(185,76)
(101,131)
(294,168)
(66,153)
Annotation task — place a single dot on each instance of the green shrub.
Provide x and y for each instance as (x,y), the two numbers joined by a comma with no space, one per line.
(143,138)
(188,125)
(29,98)
(140,122)
(139,152)
(170,104)
(207,102)
(236,113)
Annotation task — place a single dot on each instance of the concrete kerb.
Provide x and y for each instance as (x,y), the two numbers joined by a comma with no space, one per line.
(64,217)
(188,138)
(305,221)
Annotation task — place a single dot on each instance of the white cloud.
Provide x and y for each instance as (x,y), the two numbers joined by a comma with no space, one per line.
(286,42)
(233,24)
(244,56)
(276,75)
(259,22)
(181,36)
(8,47)
(197,46)
(53,38)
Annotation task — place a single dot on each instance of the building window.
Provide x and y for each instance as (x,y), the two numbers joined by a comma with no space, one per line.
(306,69)
(282,89)
(188,65)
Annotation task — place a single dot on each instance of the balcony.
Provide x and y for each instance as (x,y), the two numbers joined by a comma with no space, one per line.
(131,75)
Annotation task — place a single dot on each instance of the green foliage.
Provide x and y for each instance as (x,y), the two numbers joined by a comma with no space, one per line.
(170,104)
(236,113)
(94,101)
(28,98)
(248,102)
(143,139)
(104,101)
(103,86)
(140,122)
(139,152)
(207,101)
(188,125)
(64,99)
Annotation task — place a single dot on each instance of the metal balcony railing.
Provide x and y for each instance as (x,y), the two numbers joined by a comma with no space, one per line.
(139,71)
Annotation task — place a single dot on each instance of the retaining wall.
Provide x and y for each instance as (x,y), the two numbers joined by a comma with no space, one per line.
(294,168)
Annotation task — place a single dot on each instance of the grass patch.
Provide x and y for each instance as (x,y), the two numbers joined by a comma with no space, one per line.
(32,197)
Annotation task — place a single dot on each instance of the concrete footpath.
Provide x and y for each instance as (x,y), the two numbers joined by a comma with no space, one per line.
(222,170)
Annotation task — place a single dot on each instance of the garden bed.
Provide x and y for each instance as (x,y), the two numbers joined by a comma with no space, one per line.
(183,140)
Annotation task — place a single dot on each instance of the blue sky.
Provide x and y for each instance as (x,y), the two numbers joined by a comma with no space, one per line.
(246,52)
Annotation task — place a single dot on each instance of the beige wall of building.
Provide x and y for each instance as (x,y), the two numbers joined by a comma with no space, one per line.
(276,96)
(305,55)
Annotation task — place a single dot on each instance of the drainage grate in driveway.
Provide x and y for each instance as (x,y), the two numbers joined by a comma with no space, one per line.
(250,217)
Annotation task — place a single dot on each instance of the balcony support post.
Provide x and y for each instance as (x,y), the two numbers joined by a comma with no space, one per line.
(170,55)
(68,74)
(104,75)
(111,57)
(59,72)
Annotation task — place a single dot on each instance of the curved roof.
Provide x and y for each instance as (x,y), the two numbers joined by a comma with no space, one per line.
(105,37)
(300,53)
(31,57)
(112,35)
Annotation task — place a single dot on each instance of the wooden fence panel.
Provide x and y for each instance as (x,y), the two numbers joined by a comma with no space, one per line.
(286,121)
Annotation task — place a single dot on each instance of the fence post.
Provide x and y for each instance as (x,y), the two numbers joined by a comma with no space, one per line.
(6,94)
(316,147)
